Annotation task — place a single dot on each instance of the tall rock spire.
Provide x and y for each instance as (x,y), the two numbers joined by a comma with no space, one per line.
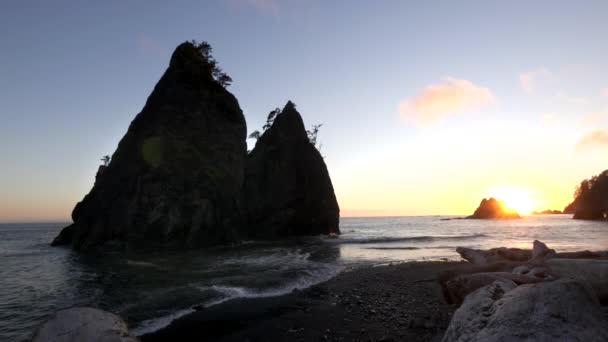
(288,190)
(176,177)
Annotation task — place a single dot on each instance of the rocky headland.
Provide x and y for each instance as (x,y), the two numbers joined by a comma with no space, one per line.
(590,199)
(493,209)
(181,176)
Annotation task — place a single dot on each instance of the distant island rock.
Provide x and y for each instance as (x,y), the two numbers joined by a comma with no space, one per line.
(177,178)
(547,212)
(493,209)
(590,199)
(288,190)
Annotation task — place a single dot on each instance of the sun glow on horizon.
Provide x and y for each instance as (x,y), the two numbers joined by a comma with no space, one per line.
(515,198)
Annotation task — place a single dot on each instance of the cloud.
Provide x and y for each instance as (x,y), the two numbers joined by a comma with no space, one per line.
(594,139)
(549,119)
(529,80)
(592,119)
(269,6)
(562,97)
(437,101)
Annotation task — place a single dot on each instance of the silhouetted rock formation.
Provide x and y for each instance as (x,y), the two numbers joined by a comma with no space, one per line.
(570,208)
(547,212)
(590,199)
(493,209)
(176,177)
(287,187)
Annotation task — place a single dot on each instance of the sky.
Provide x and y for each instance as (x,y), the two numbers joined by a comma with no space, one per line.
(426,107)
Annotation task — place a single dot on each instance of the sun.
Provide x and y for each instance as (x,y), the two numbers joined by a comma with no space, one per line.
(516,198)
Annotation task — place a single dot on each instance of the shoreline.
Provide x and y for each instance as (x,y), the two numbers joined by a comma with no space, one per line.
(394,302)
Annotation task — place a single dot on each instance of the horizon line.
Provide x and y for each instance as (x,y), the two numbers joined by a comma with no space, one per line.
(41,221)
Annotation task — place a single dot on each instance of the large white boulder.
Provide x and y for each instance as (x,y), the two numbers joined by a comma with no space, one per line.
(562,310)
(592,271)
(460,286)
(83,324)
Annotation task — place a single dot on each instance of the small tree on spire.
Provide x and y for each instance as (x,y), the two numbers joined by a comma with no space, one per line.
(106,160)
(312,134)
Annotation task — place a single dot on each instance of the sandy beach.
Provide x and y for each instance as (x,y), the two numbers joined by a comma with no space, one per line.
(400,302)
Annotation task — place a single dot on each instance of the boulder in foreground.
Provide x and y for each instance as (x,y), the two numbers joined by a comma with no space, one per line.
(551,311)
(593,272)
(460,286)
(83,324)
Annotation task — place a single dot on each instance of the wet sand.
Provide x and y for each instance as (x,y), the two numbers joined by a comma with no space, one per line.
(402,302)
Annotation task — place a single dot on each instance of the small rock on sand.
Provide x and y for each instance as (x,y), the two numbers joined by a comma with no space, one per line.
(83,324)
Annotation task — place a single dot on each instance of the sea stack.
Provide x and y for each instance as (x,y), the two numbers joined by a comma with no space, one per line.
(288,191)
(493,209)
(176,177)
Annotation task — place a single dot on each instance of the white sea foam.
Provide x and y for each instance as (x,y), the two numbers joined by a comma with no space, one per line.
(226,293)
(155,324)
(232,292)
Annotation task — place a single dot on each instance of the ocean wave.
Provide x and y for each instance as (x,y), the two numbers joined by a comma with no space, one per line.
(155,324)
(408,239)
(275,258)
(224,293)
(311,278)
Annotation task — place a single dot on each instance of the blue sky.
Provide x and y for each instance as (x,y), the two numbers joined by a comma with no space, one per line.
(426,106)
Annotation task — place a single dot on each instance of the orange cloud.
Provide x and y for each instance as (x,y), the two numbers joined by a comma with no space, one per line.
(595,139)
(528,80)
(437,101)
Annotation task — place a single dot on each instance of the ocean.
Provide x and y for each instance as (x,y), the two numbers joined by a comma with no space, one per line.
(150,290)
